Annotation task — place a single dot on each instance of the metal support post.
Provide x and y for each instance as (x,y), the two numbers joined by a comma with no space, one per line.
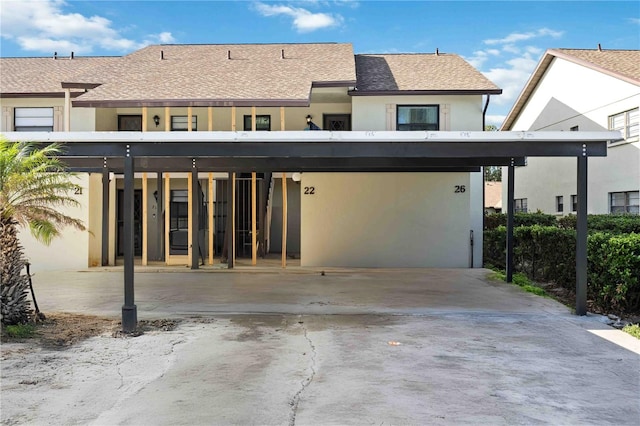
(230,212)
(129,310)
(105,216)
(195,216)
(581,237)
(510,221)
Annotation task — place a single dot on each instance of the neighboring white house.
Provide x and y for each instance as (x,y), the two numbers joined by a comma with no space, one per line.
(582,90)
(334,219)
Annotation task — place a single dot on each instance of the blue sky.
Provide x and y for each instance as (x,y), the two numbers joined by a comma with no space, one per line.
(503,39)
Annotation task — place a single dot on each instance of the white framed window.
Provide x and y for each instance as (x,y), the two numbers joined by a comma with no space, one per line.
(559,203)
(627,123)
(574,203)
(179,123)
(624,202)
(418,117)
(520,205)
(33,119)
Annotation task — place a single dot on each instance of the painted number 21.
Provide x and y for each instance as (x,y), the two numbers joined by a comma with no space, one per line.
(459,189)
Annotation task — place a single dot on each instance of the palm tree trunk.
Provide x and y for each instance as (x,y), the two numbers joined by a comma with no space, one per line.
(14,285)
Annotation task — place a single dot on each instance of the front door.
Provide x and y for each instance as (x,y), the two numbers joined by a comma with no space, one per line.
(338,122)
(137,222)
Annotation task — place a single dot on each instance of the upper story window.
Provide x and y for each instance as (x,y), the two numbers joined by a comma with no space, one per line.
(626,122)
(624,202)
(179,123)
(33,120)
(418,117)
(263,122)
(520,205)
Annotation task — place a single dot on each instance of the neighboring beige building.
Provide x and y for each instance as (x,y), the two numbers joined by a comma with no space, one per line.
(334,219)
(493,197)
(584,90)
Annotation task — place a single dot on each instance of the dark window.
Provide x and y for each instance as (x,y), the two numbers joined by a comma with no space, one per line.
(559,203)
(33,119)
(263,122)
(574,203)
(179,123)
(418,117)
(624,202)
(520,205)
(130,123)
(574,129)
(337,122)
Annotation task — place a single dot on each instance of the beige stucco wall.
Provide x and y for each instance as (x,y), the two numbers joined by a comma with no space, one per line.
(82,119)
(70,250)
(571,95)
(379,112)
(387,220)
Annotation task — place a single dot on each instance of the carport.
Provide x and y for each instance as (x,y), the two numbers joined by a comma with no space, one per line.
(322,151)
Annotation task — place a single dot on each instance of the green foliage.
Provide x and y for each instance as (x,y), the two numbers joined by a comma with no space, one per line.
(614,271)
(493,220)
(20,331)
(632,329)
(615,224)
(493,173)
(547,253)
(520,280)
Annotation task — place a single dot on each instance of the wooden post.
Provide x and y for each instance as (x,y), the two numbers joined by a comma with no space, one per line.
(145,113)
(190,216)
(233,119)
(210,119)
(189,114)
(167,214)
(211,224)
(145,221)
(284,220)
(67,110)
(254,227)
(233,217)
(282,118)
(253,119)
(167,119)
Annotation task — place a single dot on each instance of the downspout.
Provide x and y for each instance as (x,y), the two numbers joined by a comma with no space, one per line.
(484,112)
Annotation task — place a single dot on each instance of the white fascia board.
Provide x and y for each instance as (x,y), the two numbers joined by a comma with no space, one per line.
(315,136)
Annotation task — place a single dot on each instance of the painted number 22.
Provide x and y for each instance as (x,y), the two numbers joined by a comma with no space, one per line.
(459,189)
(309,190)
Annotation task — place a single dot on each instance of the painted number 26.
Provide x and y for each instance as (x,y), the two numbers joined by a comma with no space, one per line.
(459,189)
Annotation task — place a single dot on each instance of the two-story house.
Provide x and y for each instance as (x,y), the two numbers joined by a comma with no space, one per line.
(391,219)
(581,90)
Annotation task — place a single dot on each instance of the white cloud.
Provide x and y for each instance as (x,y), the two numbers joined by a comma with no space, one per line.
(44,26)
(635,21)
(303,20)
(516,37)
(511,77)
(496,120)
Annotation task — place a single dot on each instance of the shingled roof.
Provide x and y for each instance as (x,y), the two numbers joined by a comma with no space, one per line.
(621,64)
(43,76)
(419,73)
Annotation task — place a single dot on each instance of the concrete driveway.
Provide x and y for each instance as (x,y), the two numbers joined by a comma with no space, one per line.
(349,347)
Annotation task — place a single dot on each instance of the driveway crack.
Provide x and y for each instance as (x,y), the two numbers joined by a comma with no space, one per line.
(295,401)
(127,358)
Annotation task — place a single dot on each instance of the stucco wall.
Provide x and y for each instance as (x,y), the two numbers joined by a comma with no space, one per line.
(386,220)
(82,119)
(378,112)
(70,250)
(571,95)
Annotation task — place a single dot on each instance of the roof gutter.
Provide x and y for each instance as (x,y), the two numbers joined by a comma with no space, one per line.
(484,112)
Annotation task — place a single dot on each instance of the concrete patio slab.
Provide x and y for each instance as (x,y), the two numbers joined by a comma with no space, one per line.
(299,348)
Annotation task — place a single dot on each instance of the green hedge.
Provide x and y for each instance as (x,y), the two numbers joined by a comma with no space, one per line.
(615,224)
(493,220)
(547,253)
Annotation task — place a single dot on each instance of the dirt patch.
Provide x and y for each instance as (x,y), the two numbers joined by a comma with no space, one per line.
(61,330)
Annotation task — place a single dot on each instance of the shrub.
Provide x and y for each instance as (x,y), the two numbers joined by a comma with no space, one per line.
(20,331)
(614,271)
(615,224)
(494,220)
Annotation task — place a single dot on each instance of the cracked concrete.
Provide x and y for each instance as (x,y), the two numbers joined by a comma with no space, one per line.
(295,401)
(469,352)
